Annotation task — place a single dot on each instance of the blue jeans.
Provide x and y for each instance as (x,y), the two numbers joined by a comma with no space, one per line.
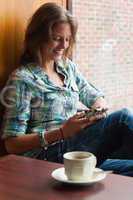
(111,137)
(119,166)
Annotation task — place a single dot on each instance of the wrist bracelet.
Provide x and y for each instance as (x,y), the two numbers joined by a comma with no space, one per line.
(43,142)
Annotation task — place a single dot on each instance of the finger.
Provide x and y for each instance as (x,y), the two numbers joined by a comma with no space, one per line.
(80,115)
(87,124)
(84,122)
(104,114)
(100,116)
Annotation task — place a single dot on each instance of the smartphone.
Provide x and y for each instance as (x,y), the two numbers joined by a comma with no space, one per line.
(95,111)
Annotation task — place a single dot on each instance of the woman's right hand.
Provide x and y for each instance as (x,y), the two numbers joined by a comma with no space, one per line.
(78,122)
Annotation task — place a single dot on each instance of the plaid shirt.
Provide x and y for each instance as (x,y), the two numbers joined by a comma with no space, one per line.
(35,104)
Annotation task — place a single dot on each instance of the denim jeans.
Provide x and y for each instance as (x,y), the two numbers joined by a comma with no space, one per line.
(111,137)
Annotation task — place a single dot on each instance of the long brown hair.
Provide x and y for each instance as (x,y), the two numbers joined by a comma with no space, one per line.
(39,31)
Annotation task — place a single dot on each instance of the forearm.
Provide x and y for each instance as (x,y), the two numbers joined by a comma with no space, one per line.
(24,143)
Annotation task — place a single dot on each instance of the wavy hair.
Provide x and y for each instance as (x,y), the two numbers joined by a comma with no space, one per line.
(39,31)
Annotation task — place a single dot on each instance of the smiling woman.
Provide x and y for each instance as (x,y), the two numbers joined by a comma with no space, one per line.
(41,99)
(55,50)
(49,37)
(42,32)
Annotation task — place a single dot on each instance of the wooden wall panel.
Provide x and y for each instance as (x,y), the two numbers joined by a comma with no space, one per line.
(14,15)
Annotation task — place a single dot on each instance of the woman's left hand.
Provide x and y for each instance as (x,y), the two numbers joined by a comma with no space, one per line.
(100,103)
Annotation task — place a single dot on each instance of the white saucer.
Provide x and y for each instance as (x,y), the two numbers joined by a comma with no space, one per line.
(59,175)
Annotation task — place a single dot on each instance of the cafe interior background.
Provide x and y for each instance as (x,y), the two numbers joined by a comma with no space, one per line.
(104,42)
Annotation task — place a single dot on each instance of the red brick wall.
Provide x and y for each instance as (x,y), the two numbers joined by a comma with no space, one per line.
(104,47)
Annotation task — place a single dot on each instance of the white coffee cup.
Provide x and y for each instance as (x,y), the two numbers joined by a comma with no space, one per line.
(79,165)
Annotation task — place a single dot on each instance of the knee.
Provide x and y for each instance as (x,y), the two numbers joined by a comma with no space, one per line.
(127,111)
(127,117)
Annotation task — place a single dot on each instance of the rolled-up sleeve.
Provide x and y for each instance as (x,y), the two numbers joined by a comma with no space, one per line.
(88,94)
(15,97)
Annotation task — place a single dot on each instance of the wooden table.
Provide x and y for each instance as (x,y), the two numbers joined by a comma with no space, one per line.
(24,178)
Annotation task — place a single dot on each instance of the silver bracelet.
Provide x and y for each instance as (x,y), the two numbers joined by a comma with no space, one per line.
(43,142)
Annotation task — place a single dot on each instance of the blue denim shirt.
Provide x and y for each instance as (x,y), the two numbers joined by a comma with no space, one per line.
(35,104)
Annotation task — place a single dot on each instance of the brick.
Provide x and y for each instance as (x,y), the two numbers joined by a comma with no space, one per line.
(104,47)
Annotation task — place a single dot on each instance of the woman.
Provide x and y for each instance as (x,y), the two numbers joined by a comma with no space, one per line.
(41,100)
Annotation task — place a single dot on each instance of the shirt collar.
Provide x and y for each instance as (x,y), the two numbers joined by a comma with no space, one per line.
(61,67)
